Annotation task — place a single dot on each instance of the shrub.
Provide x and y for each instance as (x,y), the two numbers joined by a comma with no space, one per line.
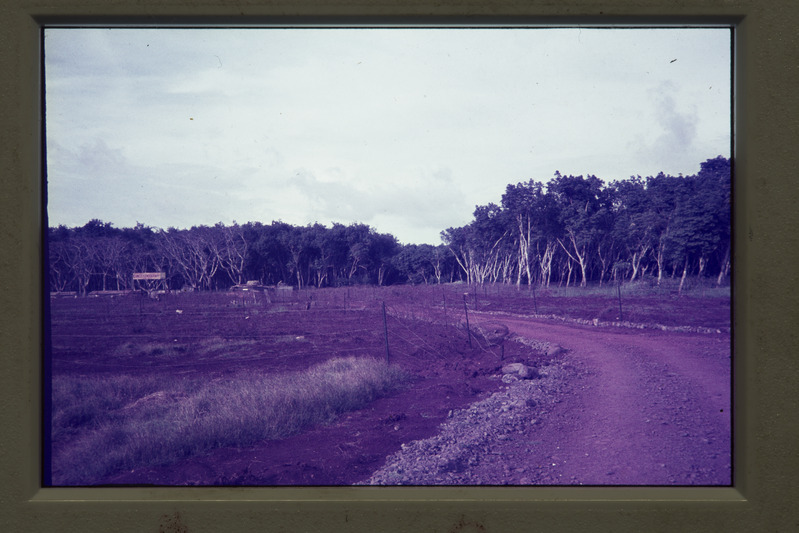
(103,426)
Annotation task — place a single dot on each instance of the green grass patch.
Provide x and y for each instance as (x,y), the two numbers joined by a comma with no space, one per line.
(705,288)
(104,426)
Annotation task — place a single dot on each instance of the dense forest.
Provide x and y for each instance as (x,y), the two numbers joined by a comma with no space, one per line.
(573,230)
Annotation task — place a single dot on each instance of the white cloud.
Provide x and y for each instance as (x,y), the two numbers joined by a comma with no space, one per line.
(406,130)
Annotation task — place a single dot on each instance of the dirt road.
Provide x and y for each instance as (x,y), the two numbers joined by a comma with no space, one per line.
(632,407)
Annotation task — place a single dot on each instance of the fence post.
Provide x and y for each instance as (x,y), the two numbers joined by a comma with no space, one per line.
(468,329)
(621,318)
(385,333)
(535,303)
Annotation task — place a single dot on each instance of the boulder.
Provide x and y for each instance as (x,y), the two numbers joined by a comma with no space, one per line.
(527,373)
(493,332)
(520,370)
(554,349)
(512,368)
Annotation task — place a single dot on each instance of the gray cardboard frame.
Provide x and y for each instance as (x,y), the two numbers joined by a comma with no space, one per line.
(765,213)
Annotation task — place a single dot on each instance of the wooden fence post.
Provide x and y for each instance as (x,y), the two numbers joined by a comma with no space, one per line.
(385,333)
(468,329)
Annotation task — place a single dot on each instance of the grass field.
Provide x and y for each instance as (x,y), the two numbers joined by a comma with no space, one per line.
(126,422)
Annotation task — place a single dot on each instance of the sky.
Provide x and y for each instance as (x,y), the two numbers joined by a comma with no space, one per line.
(406,130)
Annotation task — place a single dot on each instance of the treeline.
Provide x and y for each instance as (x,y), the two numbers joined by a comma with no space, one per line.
(577,230)
(573,230)
(98,256)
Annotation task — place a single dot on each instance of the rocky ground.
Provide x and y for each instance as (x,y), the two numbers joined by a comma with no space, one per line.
(468,448)
(619,408)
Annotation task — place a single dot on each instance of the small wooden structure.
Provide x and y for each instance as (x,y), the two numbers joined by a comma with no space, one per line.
(150,282)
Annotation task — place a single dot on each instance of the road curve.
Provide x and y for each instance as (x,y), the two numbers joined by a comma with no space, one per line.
(643,408)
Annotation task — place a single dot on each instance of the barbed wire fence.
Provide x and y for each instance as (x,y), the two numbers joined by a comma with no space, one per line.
(380,319)
(329,317)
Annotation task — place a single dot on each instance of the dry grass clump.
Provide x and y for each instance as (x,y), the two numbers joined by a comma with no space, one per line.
(104,426)
(164,351)
(218,347)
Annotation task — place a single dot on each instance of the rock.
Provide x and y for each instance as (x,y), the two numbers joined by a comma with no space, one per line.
(520,370)
(528,373)
(512,368)
(494,333)
(554,349)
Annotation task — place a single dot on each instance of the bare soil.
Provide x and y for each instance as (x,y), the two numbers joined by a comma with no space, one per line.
(620,408)
(644,402)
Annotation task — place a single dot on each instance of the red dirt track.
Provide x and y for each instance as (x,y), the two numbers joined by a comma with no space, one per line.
(644,408)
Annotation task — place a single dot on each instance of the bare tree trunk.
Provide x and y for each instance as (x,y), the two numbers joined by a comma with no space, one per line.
(569,277)
(579,258)
(437,268)
(702,265)
(546,263)
(660,256)
(684,273)
(724,269)
(464,264)
(381,271)
(524,250)
(603,262)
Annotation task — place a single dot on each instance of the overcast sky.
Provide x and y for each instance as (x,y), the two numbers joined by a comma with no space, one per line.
(402,129)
